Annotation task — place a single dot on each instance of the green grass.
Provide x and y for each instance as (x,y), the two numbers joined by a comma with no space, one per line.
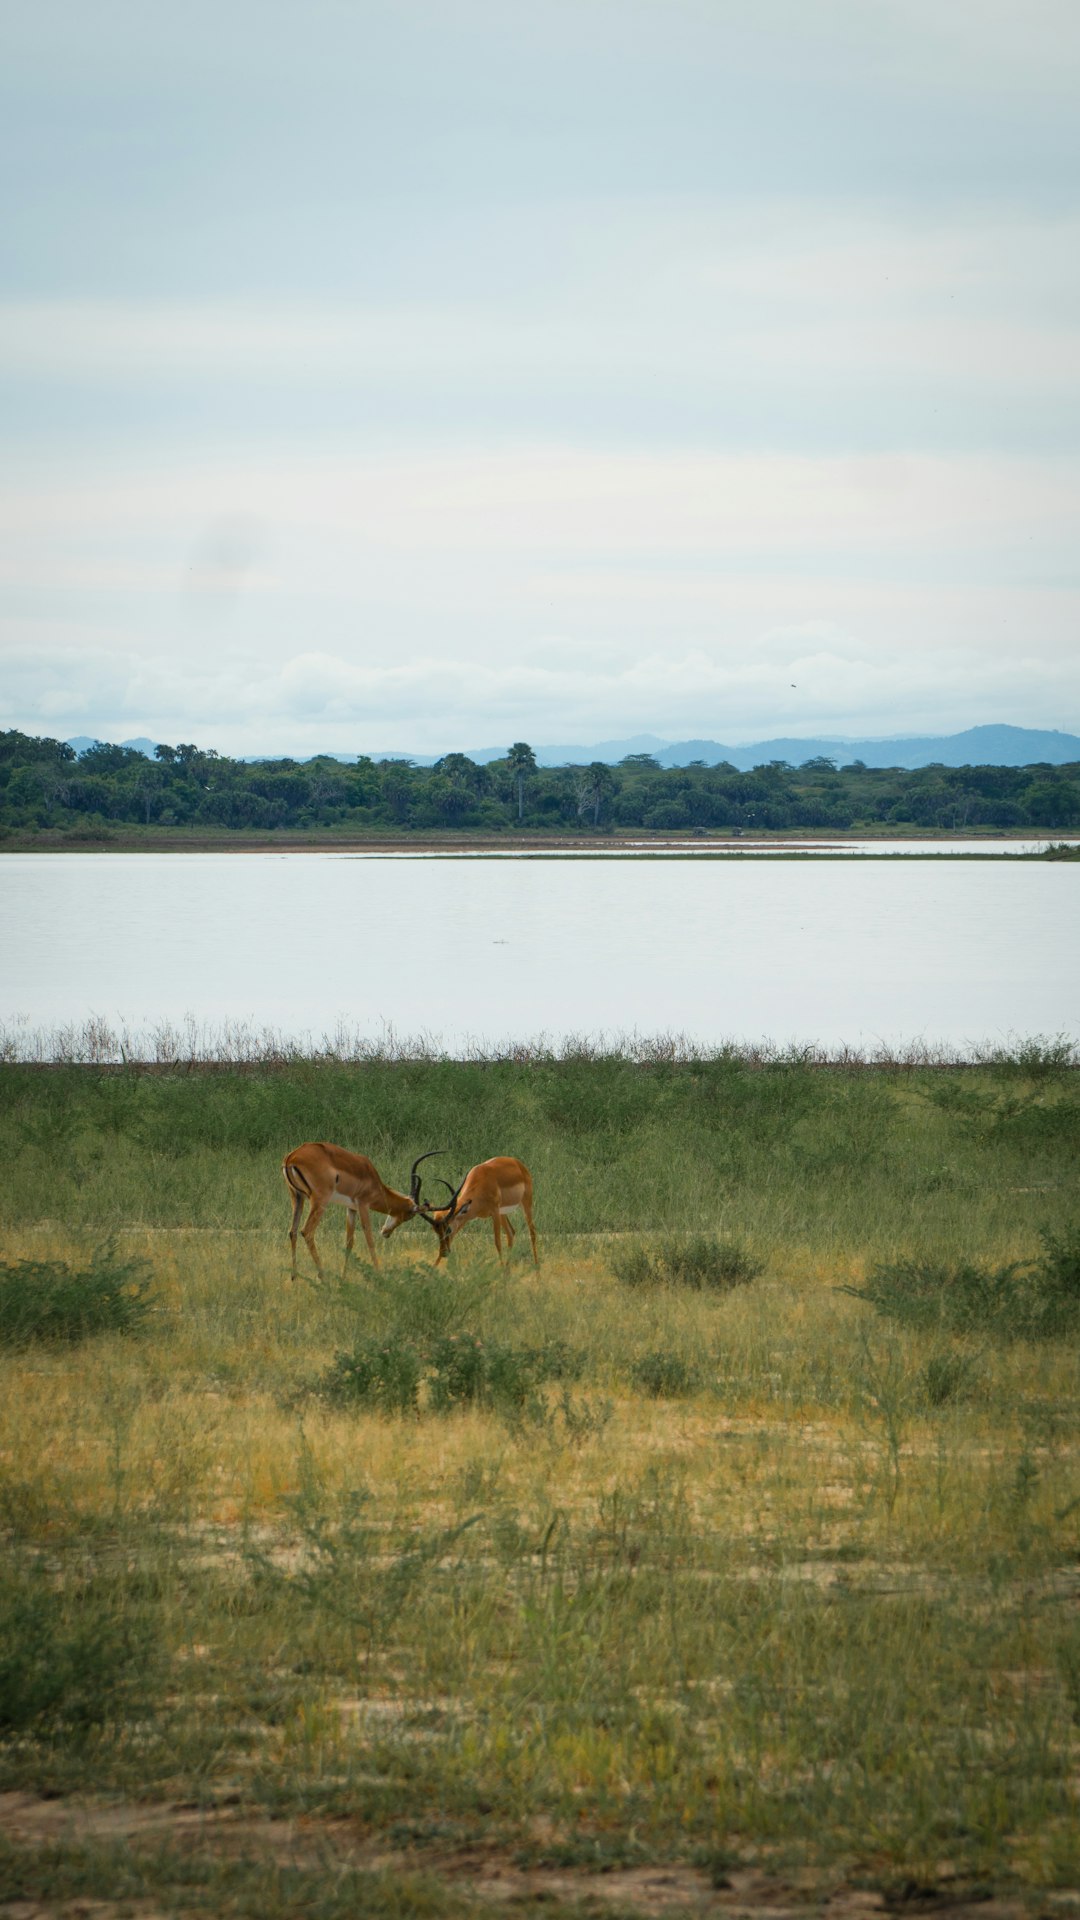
(546,1571)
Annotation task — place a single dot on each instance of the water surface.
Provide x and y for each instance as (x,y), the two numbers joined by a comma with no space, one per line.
(490,951)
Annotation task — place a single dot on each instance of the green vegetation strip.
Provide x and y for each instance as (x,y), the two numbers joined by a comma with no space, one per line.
(112,792)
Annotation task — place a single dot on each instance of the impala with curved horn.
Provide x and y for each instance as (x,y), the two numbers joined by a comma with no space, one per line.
(322,1174)
(490,1191)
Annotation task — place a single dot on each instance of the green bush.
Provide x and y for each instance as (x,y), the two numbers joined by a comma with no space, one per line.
(51,1300)
(380,1373)
(74,1657)
(663,1375)
(1023,1300)
(701,1262)
(460,1369)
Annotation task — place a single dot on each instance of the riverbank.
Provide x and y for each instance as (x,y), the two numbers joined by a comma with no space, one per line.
(132,839)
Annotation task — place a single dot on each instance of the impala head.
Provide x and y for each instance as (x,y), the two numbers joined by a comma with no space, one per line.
(416,1206)
(444,1219)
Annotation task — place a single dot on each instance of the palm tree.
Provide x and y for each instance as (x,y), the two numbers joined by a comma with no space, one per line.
(521,761)
(593,784)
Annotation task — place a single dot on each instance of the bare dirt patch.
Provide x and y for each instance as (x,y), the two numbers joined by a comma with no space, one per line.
(491,1874)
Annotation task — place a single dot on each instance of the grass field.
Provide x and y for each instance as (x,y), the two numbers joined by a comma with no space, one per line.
(415,1592)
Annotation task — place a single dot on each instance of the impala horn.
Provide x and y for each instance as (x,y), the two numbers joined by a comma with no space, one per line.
(414,1177)
(453,1192)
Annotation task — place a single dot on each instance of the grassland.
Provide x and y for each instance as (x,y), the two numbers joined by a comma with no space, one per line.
(702,1599)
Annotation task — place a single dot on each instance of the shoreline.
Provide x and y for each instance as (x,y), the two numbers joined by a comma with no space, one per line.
(639,842)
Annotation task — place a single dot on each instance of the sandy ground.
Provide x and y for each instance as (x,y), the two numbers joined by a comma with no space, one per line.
(489,1874)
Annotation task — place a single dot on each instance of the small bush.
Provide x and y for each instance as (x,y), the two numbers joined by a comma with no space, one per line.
(379,1373)
(75,1658)
(469,1371)
(947,1378)
(50,1300)
(663,1375)
(702,1262)
(1061,1261)
(460,1369)
(1024,1300)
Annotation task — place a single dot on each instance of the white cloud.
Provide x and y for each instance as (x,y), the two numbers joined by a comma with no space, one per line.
(447,598)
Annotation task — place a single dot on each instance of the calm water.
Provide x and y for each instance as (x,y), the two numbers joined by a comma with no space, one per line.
(481,950)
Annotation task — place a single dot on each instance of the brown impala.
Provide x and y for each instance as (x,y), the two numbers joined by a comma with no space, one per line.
(490,1191)
(322,1175)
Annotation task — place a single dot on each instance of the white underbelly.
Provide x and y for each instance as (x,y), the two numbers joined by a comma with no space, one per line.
(343,1200)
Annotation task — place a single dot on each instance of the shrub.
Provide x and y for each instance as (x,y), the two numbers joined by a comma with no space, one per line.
(461,1370)
(1061,1261)
(1024,1300)
(702,1262)
(51,1300)
(77,1657)
(382,1373)
(663,1375)
(467,1370)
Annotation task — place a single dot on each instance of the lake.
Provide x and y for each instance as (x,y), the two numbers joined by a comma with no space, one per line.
(484,952)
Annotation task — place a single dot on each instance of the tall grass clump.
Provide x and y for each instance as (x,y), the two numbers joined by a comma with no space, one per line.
(52,1300)
(1020,1300)
(701,1262)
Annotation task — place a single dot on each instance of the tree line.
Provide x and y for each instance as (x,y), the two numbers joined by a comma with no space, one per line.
(45,786)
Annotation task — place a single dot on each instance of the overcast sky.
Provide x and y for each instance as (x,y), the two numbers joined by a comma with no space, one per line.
(442,374)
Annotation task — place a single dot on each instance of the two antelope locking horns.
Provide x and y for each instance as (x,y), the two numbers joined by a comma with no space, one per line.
(322,1175)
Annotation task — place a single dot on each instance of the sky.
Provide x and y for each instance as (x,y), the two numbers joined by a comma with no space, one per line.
(438,375)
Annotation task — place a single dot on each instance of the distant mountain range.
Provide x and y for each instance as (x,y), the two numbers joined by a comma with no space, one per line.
(994,746)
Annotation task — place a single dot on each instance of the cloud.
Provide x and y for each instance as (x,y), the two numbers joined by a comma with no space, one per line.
(446,597)
(321,699)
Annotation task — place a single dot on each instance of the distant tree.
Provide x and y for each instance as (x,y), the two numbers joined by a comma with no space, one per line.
(521,761)
(102,757)
(641,762)
(594,783)
(1049,805)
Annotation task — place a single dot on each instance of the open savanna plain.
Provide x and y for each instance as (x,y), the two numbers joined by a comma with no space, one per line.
(729,1563)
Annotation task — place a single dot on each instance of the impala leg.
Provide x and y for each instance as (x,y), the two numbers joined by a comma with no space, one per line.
(365,1222)
(498,1226)
(527,1211)
(350,1234)
(316,1214)
(297,1210)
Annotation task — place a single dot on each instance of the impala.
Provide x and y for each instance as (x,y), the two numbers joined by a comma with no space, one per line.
(322,1174)
(490,1191)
